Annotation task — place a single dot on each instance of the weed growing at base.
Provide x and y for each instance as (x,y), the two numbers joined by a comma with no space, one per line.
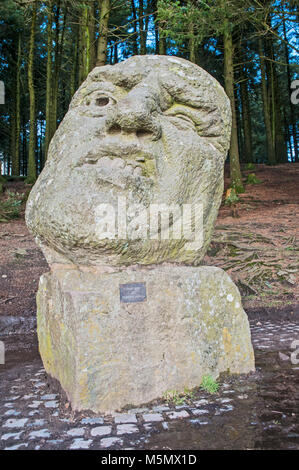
(209,384)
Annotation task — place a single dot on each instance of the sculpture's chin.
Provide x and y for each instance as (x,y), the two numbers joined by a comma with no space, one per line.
(119,253)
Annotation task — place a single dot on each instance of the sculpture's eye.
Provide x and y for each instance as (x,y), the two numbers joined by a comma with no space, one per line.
(99,101)
(102,101)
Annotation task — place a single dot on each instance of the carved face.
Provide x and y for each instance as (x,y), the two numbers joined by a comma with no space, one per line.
(153,129)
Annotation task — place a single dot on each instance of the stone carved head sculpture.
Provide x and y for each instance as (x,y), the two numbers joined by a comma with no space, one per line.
(150,130)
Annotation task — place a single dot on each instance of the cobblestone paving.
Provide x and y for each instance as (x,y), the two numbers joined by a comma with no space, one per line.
(258,411)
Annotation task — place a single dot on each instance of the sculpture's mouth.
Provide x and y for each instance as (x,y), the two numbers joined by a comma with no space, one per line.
(128,167)
(120,164)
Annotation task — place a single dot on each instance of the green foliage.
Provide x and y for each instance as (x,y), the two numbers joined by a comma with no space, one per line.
(200,24)
(10,207)
(209,384)
(249,167)
(13,178)
(30,180)
(208,18)
(231,197)
(237,187)
(252,179)
(174,397)
(179,398)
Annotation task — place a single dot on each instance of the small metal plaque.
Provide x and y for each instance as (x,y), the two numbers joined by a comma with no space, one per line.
(133,292)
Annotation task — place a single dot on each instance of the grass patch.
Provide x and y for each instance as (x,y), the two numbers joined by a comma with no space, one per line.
(11,206)
(249,167)
(179,398)
(252,179)
(209,384)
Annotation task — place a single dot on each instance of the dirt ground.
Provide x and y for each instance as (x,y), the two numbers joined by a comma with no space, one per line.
(258,249)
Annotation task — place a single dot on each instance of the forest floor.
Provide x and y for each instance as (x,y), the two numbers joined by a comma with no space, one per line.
(259,250)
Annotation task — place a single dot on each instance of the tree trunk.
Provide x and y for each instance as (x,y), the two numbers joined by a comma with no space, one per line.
(235,171)
(142,32)
(16,124)
(157,40)
(31,167)
(49,77)
(239,123)
(246,118)
(162,40)
(103,33)
(84,57)
(115,54)
(57,67)
(135,44)
(293,119)
(12,129)
(55,78)
(87,40)
(267,115)
(276,111)
(18,108)
(74,74)
(91,35)
(162,46)
(192,51)
(81,49)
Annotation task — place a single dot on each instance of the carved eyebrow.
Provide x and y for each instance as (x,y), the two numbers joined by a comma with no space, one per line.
(195,101)
(102,86)
(196,107)
(195,98)
(118,78)
(192,108)
(208,122)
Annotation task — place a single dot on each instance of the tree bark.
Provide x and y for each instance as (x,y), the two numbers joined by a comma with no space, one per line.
(246,117)
(235,170)
(74,74)
(31,167)
(275,106)
(87,40)
(266,107)
(49,77)
(157,39)
(12,129)
(135,44)
(142,32)
(15,154)
(192,51)
(57,68)
(103,33)
(293,119)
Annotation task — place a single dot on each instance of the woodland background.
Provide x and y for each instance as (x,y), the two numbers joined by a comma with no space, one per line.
(47,48)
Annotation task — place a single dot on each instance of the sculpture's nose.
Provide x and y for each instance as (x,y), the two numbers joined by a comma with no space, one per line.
(135,114)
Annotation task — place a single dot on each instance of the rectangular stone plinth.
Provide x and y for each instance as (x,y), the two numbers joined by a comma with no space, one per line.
(110,350)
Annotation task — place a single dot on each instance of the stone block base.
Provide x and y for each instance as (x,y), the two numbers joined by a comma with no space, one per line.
(127,337)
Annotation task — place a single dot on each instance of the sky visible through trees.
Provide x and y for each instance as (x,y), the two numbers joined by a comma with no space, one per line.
(47,48)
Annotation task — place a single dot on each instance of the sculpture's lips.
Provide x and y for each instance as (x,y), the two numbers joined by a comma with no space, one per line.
(109,164)
(123,161)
